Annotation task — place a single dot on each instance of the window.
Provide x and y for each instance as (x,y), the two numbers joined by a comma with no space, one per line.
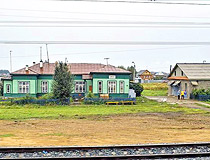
(79,87)
(121,86)
(23,87)
(112,86)
(44,86)
(175,73)
(182,73)
(8,87)
(100,85)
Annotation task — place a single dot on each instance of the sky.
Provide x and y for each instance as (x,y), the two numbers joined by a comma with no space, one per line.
(151,57)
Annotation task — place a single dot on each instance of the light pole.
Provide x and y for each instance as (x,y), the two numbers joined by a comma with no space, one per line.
(134,68)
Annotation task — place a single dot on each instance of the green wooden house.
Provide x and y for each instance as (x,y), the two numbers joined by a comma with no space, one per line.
(99,79)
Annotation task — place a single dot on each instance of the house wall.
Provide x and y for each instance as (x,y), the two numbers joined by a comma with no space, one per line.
(178,73)
(105,78)
(36,81)
(47,78)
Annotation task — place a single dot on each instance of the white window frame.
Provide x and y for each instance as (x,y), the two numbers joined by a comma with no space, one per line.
(101,87)
(122,86)
(112,86)
(80,87)
(23,87)
(44,86)
(8,88)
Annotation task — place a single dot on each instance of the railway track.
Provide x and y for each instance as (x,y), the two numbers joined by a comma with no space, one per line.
(149,151)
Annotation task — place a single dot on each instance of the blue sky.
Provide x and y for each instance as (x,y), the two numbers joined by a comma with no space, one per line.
(154,58)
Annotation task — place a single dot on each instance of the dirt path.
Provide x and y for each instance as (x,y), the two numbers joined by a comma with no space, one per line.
(124,129)
(186,102)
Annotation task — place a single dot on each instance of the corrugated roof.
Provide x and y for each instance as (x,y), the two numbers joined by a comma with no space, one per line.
(75,68)
(195,71)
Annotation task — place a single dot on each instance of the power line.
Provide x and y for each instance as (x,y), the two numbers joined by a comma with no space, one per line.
(107,22)
(109,42)
(130,1)
(113,51)
(92,13)
(107,26)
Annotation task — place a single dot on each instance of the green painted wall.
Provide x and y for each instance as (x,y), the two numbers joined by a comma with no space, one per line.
(49,79)
(5,83)
(35,84)
(105,85)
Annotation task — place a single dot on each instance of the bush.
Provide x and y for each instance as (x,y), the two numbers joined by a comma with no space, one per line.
(47,96)
(23,100)
(90,95)
(197,92)
(138,88)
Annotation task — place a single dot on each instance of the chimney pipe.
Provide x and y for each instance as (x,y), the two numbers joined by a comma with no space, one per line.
(34,63)
(26,67)
(41,64)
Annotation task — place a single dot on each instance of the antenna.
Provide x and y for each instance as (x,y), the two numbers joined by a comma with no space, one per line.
(107,60)
(40,54)
(10,53)
(48,60)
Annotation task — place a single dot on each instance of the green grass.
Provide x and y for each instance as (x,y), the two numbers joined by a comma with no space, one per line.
(155,92)
(6,135)
(17,112)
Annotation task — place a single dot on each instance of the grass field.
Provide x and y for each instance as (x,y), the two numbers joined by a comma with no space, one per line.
(155,89)
(144,105)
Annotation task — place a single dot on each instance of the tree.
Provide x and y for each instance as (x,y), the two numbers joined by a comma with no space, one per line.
(138,88)
(62,85)
(122,67)
(131,69)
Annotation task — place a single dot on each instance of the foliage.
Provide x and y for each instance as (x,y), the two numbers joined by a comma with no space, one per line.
(23,100)
(138,88)
(90,95)
(131,69)
(62,85)
(122,67)
(1,88)
(197,92)
(155,86)
(47,96)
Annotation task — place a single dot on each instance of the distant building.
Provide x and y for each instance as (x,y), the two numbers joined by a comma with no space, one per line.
(145,75)
(160,75)
(4,74)
(188,76)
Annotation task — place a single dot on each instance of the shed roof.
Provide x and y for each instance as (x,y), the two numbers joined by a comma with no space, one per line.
(75,68)
(194,71)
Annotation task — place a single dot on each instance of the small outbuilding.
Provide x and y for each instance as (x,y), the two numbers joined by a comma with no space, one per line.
(188,76)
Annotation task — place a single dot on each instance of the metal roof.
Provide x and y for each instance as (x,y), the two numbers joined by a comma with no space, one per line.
(75,68)
(194,71)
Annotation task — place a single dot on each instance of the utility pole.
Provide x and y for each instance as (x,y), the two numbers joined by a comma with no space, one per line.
(10,53)
(107,60)
(48,60)
(40,54)
(134,70)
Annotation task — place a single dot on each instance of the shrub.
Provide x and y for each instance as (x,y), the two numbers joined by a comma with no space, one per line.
(23,100)
(138,88)
(90,95)
(47,96)
(197,92)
